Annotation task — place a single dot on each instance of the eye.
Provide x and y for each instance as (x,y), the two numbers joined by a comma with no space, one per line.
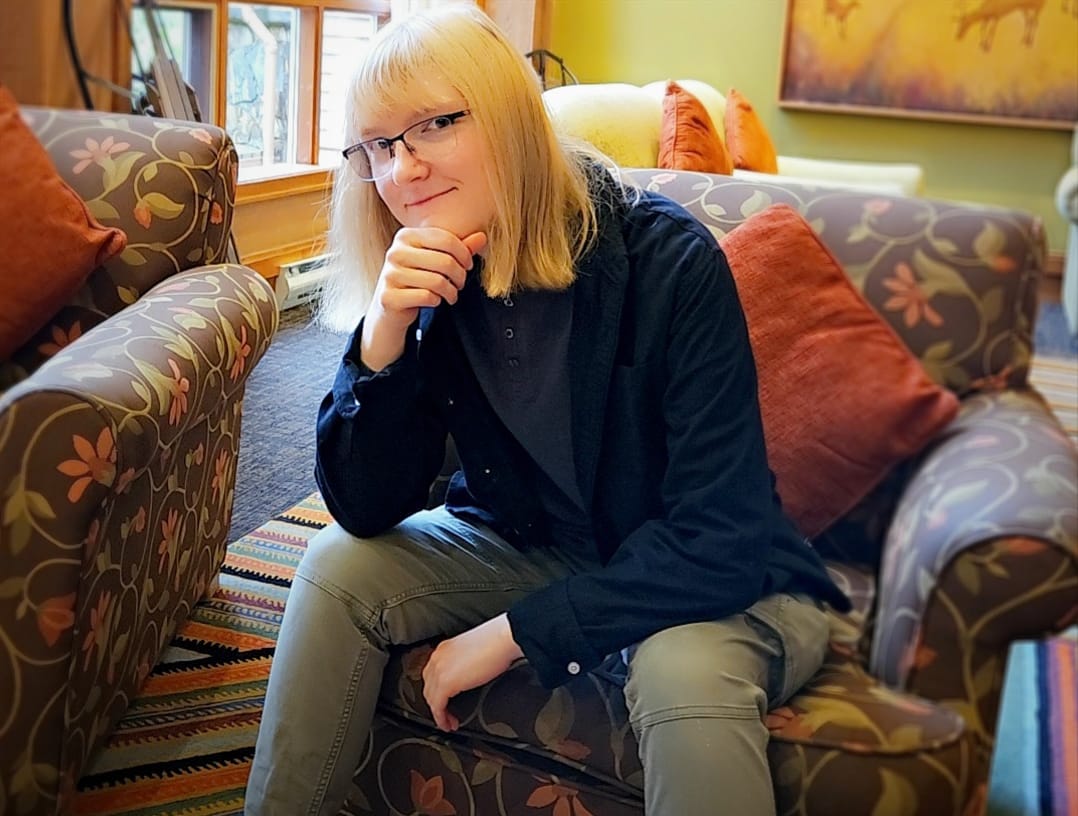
(380,144)
(440,123)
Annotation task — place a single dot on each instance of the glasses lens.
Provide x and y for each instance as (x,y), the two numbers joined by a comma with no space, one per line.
(434,138)
(361,163)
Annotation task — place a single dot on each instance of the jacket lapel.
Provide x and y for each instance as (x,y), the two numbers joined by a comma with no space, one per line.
(599,292)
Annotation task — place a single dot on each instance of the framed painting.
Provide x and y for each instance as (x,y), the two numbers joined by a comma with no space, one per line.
(1009,62)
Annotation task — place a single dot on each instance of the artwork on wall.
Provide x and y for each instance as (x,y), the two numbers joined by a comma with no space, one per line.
(1011,62)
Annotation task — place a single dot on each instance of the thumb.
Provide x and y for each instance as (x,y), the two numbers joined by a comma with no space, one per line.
(475,242)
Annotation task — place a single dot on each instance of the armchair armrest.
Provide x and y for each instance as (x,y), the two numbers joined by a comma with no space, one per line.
(982,550)
(117,459)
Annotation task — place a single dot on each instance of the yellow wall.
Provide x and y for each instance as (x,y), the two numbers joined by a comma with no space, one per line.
(738,43)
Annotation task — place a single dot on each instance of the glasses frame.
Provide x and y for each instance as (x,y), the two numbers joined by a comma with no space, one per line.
(390,141)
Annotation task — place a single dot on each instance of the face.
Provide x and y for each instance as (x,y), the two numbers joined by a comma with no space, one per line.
(450,191)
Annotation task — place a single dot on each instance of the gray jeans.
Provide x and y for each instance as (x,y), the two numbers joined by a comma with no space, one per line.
(697,694)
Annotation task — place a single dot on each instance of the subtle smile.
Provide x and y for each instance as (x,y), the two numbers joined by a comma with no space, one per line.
(420,202)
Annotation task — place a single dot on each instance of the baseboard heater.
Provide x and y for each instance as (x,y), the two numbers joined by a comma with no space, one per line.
(300,282)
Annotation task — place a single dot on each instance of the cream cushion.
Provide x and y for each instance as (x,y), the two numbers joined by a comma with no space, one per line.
(619,119)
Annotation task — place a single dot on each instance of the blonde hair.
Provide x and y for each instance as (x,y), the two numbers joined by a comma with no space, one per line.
(544,216)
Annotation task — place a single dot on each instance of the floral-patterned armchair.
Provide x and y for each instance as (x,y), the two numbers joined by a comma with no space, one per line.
(952,558)
(119,429)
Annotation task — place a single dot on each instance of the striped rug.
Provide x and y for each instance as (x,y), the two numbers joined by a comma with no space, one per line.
(185,745)
(1057,379)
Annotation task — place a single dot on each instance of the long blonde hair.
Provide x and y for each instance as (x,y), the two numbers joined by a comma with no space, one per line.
(544,217)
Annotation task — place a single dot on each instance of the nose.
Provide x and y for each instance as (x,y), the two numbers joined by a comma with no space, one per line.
(406,166)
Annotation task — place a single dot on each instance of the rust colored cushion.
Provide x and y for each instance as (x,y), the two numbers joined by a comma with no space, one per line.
(50,241)
(688,139)
(746,137)
(843,400)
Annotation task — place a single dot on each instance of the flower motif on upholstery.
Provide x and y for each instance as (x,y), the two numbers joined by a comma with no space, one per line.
(1004,264)
(139,521)
(55,616)
(60,339)
(415,660)
(96,153)
(428,796)
(169,530)
(878,206)
(95,463)
(89,544)
(202,135)
(217,215)
(909,298)
(221,473)
(999,381)
(99,620)
(788,723)
(178,386)
(142,214)
(563,799)
(1024,546)
(242,353)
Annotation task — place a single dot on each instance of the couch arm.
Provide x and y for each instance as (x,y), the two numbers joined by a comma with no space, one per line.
(117,461)
(982,550)
(887,177)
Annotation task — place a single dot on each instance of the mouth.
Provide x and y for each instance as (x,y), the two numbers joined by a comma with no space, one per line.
(419,202)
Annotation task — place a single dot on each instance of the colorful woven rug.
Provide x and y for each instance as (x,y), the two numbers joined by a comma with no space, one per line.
(185,745)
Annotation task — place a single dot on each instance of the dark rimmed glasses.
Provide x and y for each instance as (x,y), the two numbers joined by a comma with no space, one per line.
(428,140)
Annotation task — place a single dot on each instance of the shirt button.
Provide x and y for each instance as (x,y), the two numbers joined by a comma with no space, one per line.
(573,667)
(509,334)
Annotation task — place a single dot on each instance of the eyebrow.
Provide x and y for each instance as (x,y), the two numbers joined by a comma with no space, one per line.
(425,112)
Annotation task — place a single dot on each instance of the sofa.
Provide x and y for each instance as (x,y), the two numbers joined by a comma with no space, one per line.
(962,549)
(119,430)
(624,122)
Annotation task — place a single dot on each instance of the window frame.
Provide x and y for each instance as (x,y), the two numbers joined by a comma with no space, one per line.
(260,183)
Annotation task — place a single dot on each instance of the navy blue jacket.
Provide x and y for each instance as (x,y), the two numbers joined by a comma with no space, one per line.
(667,437)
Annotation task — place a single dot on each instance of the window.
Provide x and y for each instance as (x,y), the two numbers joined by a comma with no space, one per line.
(277,84)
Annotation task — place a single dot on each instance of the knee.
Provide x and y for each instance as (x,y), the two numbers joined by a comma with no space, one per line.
(344,566)
(694,670)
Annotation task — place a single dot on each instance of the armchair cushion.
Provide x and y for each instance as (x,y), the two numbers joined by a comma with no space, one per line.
(51,241)
(843,400)
(688,139)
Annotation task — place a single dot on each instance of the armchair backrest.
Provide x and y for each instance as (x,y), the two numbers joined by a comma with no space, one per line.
(168,185)
(957,282)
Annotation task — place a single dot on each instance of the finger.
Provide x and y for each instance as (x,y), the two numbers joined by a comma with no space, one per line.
(476,242)
(417,288)
(438,240)
(404,258)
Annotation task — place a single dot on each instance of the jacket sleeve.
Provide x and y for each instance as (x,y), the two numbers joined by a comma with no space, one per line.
(380,442)
(706,557)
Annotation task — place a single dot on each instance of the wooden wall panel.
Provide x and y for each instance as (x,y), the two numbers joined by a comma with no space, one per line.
(34,59)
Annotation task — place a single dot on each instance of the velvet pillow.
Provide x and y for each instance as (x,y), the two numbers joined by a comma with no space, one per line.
(746,137)
(842,398)
(50,241)
(688,139)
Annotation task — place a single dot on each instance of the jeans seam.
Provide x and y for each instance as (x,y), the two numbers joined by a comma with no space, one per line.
(718,712)
(338,737)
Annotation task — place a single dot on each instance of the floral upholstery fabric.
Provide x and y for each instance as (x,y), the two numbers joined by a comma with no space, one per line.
(119,430)
(972,545)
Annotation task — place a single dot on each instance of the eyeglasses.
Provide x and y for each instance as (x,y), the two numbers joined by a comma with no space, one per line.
(428,140)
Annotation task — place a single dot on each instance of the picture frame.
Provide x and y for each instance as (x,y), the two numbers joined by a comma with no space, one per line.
(1003,62)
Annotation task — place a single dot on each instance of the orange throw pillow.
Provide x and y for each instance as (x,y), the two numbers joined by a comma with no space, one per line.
(746,137)
(688,139)
(51,242)
(842,398)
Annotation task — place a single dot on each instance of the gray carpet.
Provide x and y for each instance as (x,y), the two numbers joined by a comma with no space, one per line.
(276,465)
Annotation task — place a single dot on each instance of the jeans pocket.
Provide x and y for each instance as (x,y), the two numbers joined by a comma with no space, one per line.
(800,629)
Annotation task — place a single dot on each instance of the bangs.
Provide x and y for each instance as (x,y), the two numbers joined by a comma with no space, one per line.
(409,70)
